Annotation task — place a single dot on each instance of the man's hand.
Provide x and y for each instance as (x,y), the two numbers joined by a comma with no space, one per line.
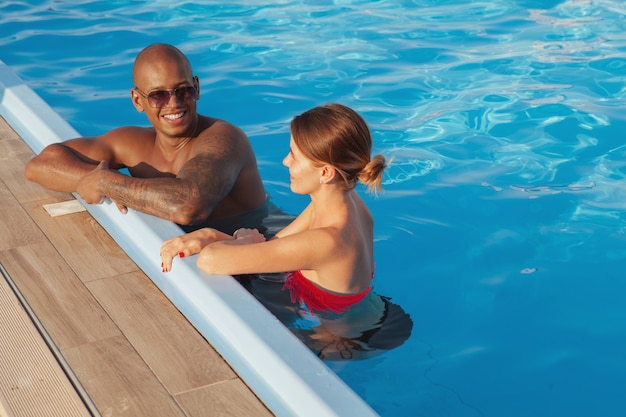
(88,187)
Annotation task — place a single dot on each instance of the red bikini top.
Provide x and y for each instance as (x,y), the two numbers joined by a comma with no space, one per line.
(316,299)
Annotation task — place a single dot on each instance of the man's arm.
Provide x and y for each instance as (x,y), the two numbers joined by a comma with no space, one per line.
(190,197)
(183,200)
(202,183)
(59,167)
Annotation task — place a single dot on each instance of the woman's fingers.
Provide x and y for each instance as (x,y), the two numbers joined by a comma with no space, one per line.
(170,248)
(180,246)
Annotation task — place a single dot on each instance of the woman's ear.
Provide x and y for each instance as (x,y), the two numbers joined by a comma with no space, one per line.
(328,174)
(134,97)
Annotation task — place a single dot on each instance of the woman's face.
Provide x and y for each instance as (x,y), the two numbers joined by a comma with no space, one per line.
(304,177)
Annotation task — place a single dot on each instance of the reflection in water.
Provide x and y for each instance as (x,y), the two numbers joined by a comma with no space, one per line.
(371,327)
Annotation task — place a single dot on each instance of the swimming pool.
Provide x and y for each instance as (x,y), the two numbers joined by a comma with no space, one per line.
(501,231)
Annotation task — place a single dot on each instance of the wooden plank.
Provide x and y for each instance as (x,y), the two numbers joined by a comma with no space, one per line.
(14,154)
(16,227)
(6,131)
(66,308)
(4,406)
(32,383)
(79,237)
(225,399)
(183,360)
(119,382)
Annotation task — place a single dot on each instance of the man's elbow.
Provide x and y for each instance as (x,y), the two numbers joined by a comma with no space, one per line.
(38,168)
(32,170)
(190,215)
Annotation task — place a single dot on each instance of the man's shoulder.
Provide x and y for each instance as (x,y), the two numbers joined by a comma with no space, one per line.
(214,122)
(218,136)
(129,131)
(213,127)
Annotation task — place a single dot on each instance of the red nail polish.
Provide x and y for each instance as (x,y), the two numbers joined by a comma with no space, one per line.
(181,254)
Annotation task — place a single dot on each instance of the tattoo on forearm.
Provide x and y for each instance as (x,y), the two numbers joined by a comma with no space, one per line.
(160,197)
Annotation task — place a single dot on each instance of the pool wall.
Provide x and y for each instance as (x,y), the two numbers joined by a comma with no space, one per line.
(283,373)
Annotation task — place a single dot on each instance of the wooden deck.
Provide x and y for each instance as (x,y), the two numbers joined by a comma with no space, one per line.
(127,347)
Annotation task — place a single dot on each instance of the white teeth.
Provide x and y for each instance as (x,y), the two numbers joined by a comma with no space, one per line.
(174,116)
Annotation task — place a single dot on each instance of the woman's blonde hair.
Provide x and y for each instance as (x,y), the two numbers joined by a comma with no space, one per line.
(336,135)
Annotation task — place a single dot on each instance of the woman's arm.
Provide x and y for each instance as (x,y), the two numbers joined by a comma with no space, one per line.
(307,250)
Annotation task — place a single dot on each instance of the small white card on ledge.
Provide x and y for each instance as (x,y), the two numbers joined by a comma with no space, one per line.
(64,207)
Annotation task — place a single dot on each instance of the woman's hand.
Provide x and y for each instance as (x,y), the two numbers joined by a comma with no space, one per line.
(188,244)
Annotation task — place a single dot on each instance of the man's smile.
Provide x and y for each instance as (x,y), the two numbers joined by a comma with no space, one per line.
(174,116)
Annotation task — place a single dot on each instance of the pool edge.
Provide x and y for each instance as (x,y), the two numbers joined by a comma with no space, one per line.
(283,373)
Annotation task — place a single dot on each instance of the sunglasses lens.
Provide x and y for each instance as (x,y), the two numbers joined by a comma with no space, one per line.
(185,93)
(158,98)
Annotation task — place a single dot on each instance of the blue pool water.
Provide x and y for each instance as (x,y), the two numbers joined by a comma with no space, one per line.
(502,228)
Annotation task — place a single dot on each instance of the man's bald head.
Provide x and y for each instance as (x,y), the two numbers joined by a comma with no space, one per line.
(159,52)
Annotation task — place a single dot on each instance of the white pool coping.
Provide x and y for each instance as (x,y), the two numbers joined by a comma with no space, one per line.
(283,373)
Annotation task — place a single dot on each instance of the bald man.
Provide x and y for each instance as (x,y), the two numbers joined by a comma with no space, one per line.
(191,169)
